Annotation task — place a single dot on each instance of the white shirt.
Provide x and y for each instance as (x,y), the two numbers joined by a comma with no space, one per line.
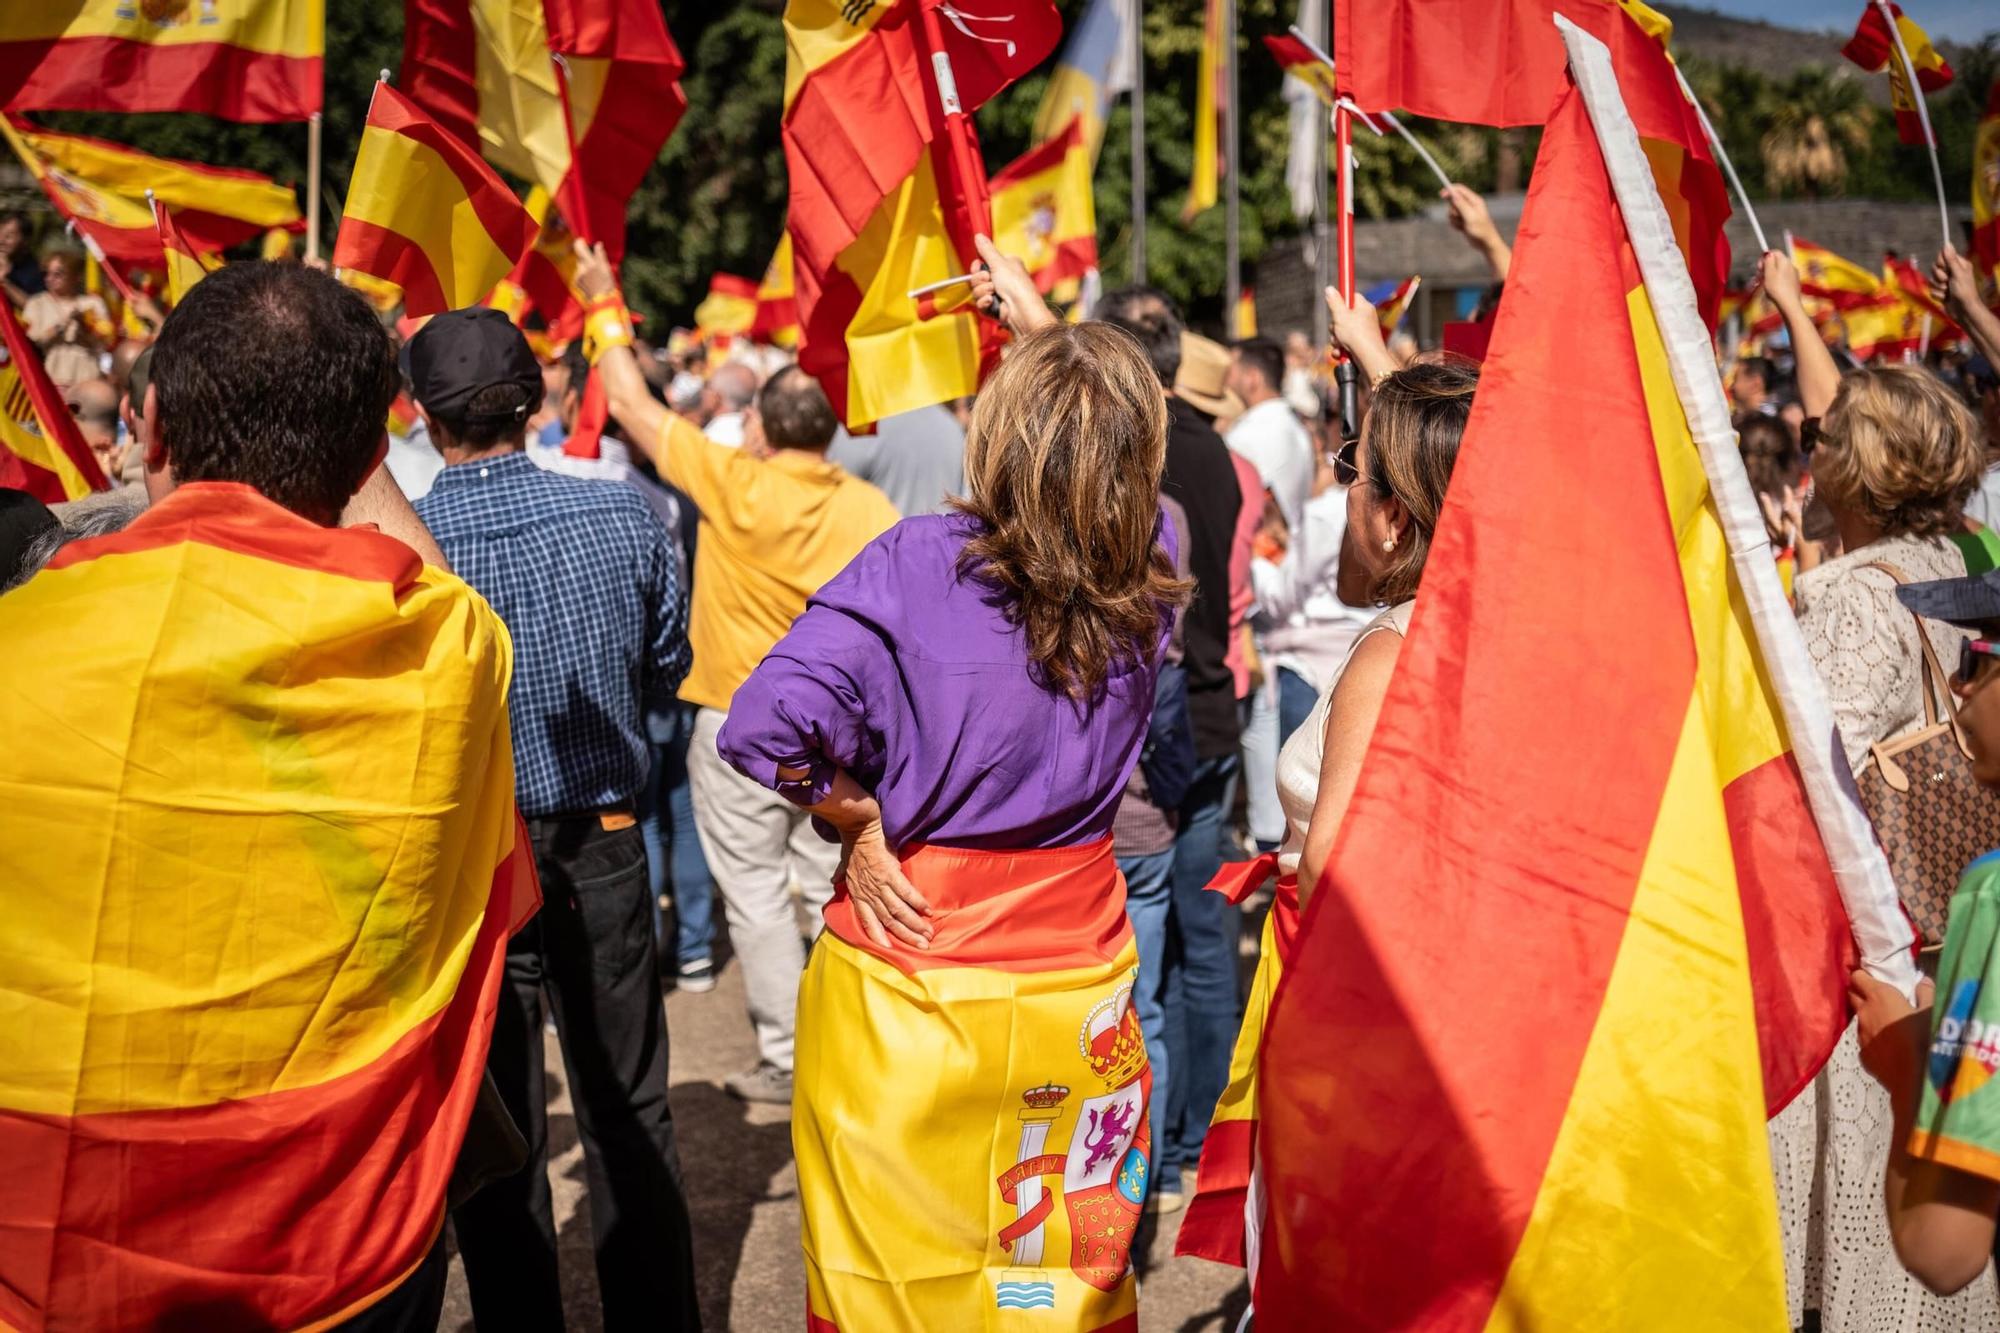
(725,428)
(1270,437)
(413,463)
(1306,626)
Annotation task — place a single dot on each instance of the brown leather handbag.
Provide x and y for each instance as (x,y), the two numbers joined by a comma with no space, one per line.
(1931,817)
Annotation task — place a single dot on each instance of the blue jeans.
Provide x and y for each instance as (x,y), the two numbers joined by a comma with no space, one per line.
(1201,1004)
(1148,900)
(673,849)
(1296,700)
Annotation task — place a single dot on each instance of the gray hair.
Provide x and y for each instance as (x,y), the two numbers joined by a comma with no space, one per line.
(97,515)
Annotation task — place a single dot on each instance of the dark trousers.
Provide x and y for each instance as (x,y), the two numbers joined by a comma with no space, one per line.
(413,1307)
(591,948)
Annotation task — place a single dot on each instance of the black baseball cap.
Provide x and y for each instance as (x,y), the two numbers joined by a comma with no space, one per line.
(23,521)
(461,352)
(1968,602)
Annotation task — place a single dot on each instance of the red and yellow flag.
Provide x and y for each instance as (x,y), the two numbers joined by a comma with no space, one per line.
(777,318)
(1908,281)
(426,214)
(1986,189)
(888,189)
(1887,325)
(251,60)
(1211,97)
(1245,322)
(1873,46)
(1499,62)
(1043,210)
(1559,1036)
(185,265)
(1824,274)
(1390,309)
(728,311)
(585,127)
(1298,61)
(541,281)
(120,227)
(252,966)
(41,450)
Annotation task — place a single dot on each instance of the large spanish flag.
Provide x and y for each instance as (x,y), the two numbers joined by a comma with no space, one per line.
(41,450)
(119,227)
(1043,212)
(1563,963)
(253,60)
(263,862)
(425,213)
(1499,62)
(217,206)
(1873,46)
(577,96)
(888,189)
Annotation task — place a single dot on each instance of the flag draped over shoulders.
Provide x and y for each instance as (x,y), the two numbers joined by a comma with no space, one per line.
(1572,973)
(263,862)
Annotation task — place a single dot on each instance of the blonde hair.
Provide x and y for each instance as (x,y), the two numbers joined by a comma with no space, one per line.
(1063,459)
(1415,422)
(1900,449)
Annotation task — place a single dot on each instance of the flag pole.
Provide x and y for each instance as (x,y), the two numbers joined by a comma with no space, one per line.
(1923,115)
(1138,143)
(1722,156)
(1322,255)
(1232,249)
(312,184)
(1345,374)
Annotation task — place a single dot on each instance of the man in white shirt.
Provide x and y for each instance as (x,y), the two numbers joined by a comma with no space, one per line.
(1268,433)
(735,388)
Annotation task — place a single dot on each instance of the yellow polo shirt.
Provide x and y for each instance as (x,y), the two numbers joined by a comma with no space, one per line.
(772,531)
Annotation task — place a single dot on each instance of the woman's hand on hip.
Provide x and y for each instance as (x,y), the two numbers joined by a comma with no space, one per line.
(886,904)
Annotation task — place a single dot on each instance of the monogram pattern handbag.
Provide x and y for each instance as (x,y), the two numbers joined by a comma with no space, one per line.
(1931,817)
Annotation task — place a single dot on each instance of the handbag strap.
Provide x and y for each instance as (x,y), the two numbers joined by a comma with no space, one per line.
(1934,676)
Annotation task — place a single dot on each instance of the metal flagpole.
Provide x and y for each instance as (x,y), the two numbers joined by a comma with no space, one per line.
(1346,374)
(1232,142)
(1322,272)
(1923,115)
(1138,143)
(312,185)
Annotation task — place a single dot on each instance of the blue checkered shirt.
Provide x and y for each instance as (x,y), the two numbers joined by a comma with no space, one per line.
(587,579)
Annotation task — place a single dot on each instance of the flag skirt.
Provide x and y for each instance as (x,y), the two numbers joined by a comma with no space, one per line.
(970,1121)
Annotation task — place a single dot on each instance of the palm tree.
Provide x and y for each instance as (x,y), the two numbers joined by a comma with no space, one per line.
(1816,119)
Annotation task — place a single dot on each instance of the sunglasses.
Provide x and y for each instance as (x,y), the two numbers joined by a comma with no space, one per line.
(1810,436)
(1969,654)
(1344,470)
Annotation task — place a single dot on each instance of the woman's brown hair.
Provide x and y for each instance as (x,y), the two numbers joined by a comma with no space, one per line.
(1062,460)
(1770,456)
(1415,421)
(1901,450)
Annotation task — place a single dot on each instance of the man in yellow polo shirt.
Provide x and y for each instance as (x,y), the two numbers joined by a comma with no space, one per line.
(773,529)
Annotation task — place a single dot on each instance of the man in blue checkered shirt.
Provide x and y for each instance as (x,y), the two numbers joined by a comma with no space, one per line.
(588,581)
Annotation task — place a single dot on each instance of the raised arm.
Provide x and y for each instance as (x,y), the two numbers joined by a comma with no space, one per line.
(608,341)
(1358,328)
(1467,214)
(1955,286)
(1818,372)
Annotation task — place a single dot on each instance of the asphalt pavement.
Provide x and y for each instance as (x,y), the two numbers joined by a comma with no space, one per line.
(743,1193)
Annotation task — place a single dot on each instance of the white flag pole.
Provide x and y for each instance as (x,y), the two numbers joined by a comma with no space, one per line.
(1722,156)
(1923,116)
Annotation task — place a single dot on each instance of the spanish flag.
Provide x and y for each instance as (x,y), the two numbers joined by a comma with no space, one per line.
(1095,66)
(217,206)
(576,96)
(120,227)
(1504,68)
(41,450)
(425,214)
(777,300)
(1043,212)
(729,310)
(1908,281)
(251,60)
(1391,300)
(185,265)
(542,280)
(1886,325)
(1518,1070)
(1824,274)
(1211,97)
(1986,188)
(888,190)
(263,862)
(1873,47)
(1297,60)
(1246,314)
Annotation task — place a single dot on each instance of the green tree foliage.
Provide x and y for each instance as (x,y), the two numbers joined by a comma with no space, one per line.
(716,200)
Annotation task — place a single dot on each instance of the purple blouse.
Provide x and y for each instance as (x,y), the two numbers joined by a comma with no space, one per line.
(901,673)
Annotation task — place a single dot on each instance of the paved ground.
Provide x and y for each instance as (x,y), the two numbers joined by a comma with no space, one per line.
(744,1196)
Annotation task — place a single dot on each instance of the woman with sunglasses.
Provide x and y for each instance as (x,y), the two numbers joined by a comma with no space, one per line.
(1894,455)
(1943,1178)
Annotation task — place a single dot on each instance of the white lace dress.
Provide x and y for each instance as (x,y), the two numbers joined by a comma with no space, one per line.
(1830,1146)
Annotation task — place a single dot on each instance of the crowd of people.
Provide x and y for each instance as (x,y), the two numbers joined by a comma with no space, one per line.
(959,720)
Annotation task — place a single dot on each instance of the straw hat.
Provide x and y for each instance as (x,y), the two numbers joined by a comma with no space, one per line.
(1204,366)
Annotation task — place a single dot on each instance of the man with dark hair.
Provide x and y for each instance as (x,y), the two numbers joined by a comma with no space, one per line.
(773,529)
(1193,988)
(259,853)
(587,580)
(1752,385)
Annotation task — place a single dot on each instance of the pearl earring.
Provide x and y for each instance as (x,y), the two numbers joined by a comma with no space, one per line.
(1389,542)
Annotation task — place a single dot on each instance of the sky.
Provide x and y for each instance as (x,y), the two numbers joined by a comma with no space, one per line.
(1958,20)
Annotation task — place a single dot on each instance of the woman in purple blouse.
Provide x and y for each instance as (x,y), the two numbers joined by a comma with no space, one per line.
(963,705)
